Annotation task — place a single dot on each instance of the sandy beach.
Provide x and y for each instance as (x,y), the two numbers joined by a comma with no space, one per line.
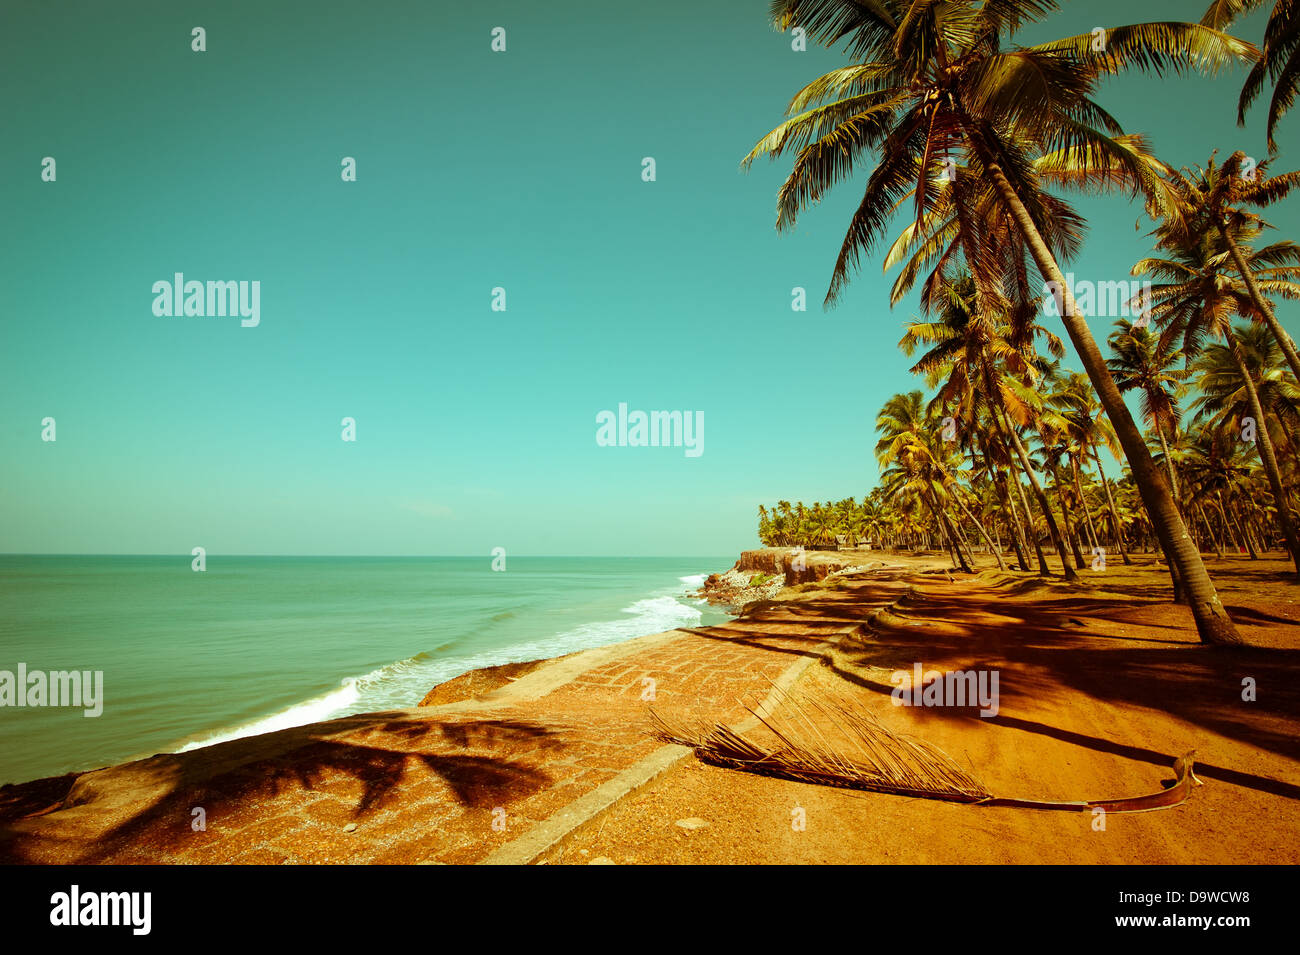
(1102,685)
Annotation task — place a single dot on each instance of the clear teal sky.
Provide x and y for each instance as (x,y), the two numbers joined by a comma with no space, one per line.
(476,429)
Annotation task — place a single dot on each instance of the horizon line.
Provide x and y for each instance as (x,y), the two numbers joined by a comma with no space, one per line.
(349,556)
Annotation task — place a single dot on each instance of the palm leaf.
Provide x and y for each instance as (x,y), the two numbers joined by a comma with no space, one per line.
(854,752)
(849,748)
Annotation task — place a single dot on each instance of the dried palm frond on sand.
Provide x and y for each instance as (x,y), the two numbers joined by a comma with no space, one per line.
(855,751)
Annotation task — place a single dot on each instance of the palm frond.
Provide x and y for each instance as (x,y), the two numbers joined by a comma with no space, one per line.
(849,748)
(855,751)
(1157,47)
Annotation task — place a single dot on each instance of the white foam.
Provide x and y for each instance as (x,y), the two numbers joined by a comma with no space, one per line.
(651,615)
(404,683)
(314,710)
(694,580)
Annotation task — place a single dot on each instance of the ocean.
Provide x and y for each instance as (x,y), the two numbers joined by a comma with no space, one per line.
(256,644)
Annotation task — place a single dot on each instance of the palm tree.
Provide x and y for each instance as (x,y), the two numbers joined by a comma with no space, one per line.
(975,358)
(937,80)
(1047,425)
(1199,299)
(1088,423)
(1218,463)
(1144,363)
(1279,61)
(1226,381)
(1212,200)
(912,462)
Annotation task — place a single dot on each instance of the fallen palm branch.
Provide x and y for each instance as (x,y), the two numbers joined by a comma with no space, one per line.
(855,751)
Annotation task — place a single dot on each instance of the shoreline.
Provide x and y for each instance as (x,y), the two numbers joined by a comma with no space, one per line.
(540,740)
(474,675)
(723,599)
(644,607)
(495,683)
(485,680)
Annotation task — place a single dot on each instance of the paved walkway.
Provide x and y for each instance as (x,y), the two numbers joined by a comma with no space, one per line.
(486,779)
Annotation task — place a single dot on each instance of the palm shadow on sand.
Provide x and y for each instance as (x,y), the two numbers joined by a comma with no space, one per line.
(1052,654)
(377,750)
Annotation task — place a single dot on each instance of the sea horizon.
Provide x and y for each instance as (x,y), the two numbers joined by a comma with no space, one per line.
(365,556)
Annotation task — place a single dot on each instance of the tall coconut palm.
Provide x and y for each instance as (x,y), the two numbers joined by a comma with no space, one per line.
(1224,395)
(1224,403)
(1218,463)
(1142,362)
(971,352)
(1280,61)
(1202,298)
(912,463)
(936,80)
(1025,400)
(1088,422)
(1213,199)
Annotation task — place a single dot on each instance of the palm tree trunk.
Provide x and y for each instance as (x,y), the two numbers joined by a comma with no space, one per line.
(1213,625)
(959,559)
(1169,463)
(1173,483)
(1004,428)
(1243,525)
(1071,526)
(1266,453)
(1014,530)
(1083,502)
(1261,304)
(1012,518)
(966,556)
(996,551)
(1043,570)
(1218,546)
(1110,506)
(1041,496)
(1228,527)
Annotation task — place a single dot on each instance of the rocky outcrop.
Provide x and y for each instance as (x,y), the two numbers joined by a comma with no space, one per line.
(737,587)
(475,683)
(762,574)
(802,567)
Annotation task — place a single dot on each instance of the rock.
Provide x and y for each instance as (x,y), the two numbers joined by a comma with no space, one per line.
(476,683)
(695,822)
(763,574)
(350,827)
(602,860)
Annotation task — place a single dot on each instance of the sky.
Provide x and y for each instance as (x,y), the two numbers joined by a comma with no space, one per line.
(475,170)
